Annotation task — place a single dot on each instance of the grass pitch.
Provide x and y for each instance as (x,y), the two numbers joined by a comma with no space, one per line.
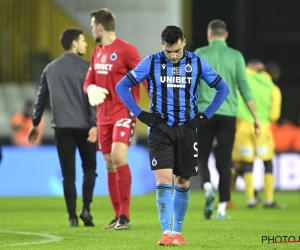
(42,223)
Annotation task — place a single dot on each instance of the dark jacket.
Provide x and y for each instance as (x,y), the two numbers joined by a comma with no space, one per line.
(62,81)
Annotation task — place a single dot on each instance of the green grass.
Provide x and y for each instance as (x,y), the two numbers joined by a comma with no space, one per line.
(46,216)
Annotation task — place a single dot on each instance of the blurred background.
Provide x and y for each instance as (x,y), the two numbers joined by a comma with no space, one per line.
(30,30)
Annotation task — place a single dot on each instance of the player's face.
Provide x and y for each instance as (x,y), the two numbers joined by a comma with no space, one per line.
(81,45)
(95,30)
(174,52)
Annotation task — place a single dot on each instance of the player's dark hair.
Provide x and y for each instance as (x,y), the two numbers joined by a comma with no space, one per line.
(68,36)
(171,34)
(106,17)
(217,27)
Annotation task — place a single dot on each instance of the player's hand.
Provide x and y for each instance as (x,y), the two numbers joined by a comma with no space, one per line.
(96,94)
(150,119)
(257,128)
(198,120)
(33,134)
(92,135)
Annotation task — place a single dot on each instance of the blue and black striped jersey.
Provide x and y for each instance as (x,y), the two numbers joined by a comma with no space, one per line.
(173,88)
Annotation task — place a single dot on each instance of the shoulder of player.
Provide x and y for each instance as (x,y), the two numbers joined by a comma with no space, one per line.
(191,54)
(194,55)
(62,60)
(201,49)
(53,63)
(97,48)
(235,52)
(124,43)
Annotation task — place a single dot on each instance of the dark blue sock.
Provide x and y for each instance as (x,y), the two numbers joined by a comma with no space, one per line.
(164,205)
(180,202)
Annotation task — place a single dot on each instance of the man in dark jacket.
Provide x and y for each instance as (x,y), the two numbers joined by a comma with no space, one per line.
(73,120)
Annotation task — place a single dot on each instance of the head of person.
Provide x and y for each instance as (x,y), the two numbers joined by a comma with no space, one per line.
(102,21)
(274,70)
(28,109)
(72,40)
(256,65)
(217,30)
(173,43)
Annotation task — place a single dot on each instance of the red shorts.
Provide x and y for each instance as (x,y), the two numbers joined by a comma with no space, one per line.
(121,131)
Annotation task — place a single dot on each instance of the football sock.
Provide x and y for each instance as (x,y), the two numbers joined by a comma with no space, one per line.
(181,198)
(164,204)
(88,188)
(124,187)
(222,208)
(207,188)
(269,187)
(248,177)
(113,192)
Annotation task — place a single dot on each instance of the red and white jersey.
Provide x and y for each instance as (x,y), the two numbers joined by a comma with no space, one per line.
(109,64)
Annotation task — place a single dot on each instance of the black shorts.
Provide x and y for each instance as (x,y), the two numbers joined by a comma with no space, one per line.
(175,148)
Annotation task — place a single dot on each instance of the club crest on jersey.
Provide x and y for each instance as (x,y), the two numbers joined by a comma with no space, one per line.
(188,68)
(113,56)
(154,162)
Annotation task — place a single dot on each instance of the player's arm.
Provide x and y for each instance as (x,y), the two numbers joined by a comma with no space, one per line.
(245,92)
(42,98)
(133,78)
(132,60)
(276,100)
(213,80)
(41,101)
(95,93)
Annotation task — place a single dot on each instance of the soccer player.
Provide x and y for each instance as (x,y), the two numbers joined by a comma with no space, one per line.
(111,60)
(267,97)
(73,120)
(230,64)
(173,80)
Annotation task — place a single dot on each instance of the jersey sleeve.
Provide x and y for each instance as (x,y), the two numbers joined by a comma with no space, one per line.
(241,78)
(133,78)
(42,99)
(90,76)
(214,80)
(140,72)
(132,57)
(275,104)
(211,77)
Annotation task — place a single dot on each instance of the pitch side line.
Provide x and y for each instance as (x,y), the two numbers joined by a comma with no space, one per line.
(50,238)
